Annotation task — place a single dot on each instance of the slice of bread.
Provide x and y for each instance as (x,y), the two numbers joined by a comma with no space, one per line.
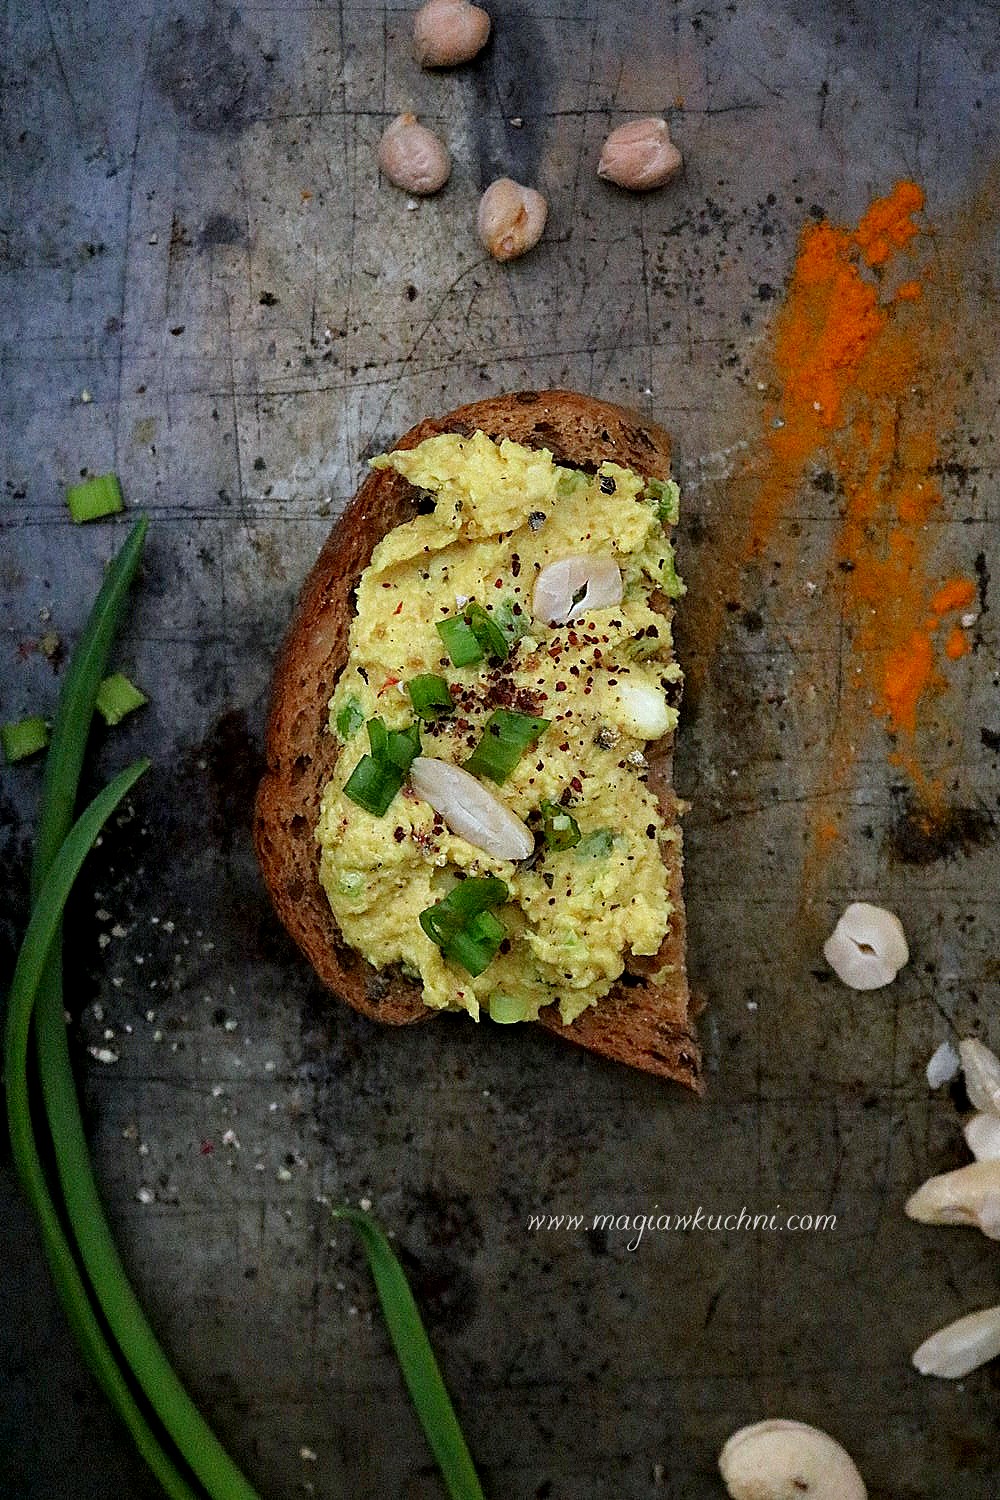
(643,1021)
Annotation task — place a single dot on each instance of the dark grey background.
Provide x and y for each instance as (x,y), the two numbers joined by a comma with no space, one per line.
(245,347)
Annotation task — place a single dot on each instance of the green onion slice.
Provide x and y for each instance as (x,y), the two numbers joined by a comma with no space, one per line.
(559,828)
(373,784)
(430,696)
(506,736)
(463,925)
(117,697)
(24,738)
(378,737)
(416,1359)
(460,642)
(506,1010)
(666,498)
(95,498)
(350,719)
(487,632)
(596,845)
(403,747)
(377,777)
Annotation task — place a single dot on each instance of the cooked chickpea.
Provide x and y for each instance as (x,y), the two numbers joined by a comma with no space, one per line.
(413,157)
(511,218)
(449,32)
(640,156)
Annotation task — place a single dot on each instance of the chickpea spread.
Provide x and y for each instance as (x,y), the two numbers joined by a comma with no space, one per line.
(489,826)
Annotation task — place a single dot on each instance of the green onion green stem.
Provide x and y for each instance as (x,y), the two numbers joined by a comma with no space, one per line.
(195,1440)
(28,976)
(416,1358)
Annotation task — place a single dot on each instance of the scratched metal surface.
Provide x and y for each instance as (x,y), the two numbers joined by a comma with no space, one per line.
(193,234)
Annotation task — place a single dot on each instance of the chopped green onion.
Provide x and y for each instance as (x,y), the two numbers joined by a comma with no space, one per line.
(377,777)
(378,737)
(373,784)
(475,952)
(596,845)
(403,747)
(416,1360)
(430,696)
(459,641)
(506,736)
(559,828)
(487,632)
(462,924)
(350,719)
(24,738)
(95,498)
(667,499)
(511,619)
(117,697)
(508,1009)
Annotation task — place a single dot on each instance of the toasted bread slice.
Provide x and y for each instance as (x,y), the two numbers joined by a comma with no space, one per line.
(643,1022)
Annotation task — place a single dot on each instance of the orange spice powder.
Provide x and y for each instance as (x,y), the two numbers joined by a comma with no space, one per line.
(847,355)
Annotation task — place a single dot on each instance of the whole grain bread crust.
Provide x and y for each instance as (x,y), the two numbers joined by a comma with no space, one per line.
(644,1021)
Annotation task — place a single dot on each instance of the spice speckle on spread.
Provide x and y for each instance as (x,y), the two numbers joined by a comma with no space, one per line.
(547,708)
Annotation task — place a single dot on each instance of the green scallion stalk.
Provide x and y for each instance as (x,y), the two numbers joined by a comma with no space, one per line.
(35,971)
(116,697)
(416,1359)
(95,498)
(24,738)
(460,642)
(506,736)
(430,696)
(76,701)
(197,1446)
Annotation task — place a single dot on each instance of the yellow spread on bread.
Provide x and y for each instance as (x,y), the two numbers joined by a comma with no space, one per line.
(497,514)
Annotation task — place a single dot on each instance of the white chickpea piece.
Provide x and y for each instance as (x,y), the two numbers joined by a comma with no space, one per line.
(640,156)
(449,32)
(510,219)
(413,157)
(867,948)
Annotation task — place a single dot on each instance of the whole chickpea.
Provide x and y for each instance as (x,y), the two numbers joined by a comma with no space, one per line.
(511,218)
(640,155)
(449,32)
(413,157)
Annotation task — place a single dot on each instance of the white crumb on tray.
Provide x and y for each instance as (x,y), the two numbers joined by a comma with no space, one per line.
(943,1066)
